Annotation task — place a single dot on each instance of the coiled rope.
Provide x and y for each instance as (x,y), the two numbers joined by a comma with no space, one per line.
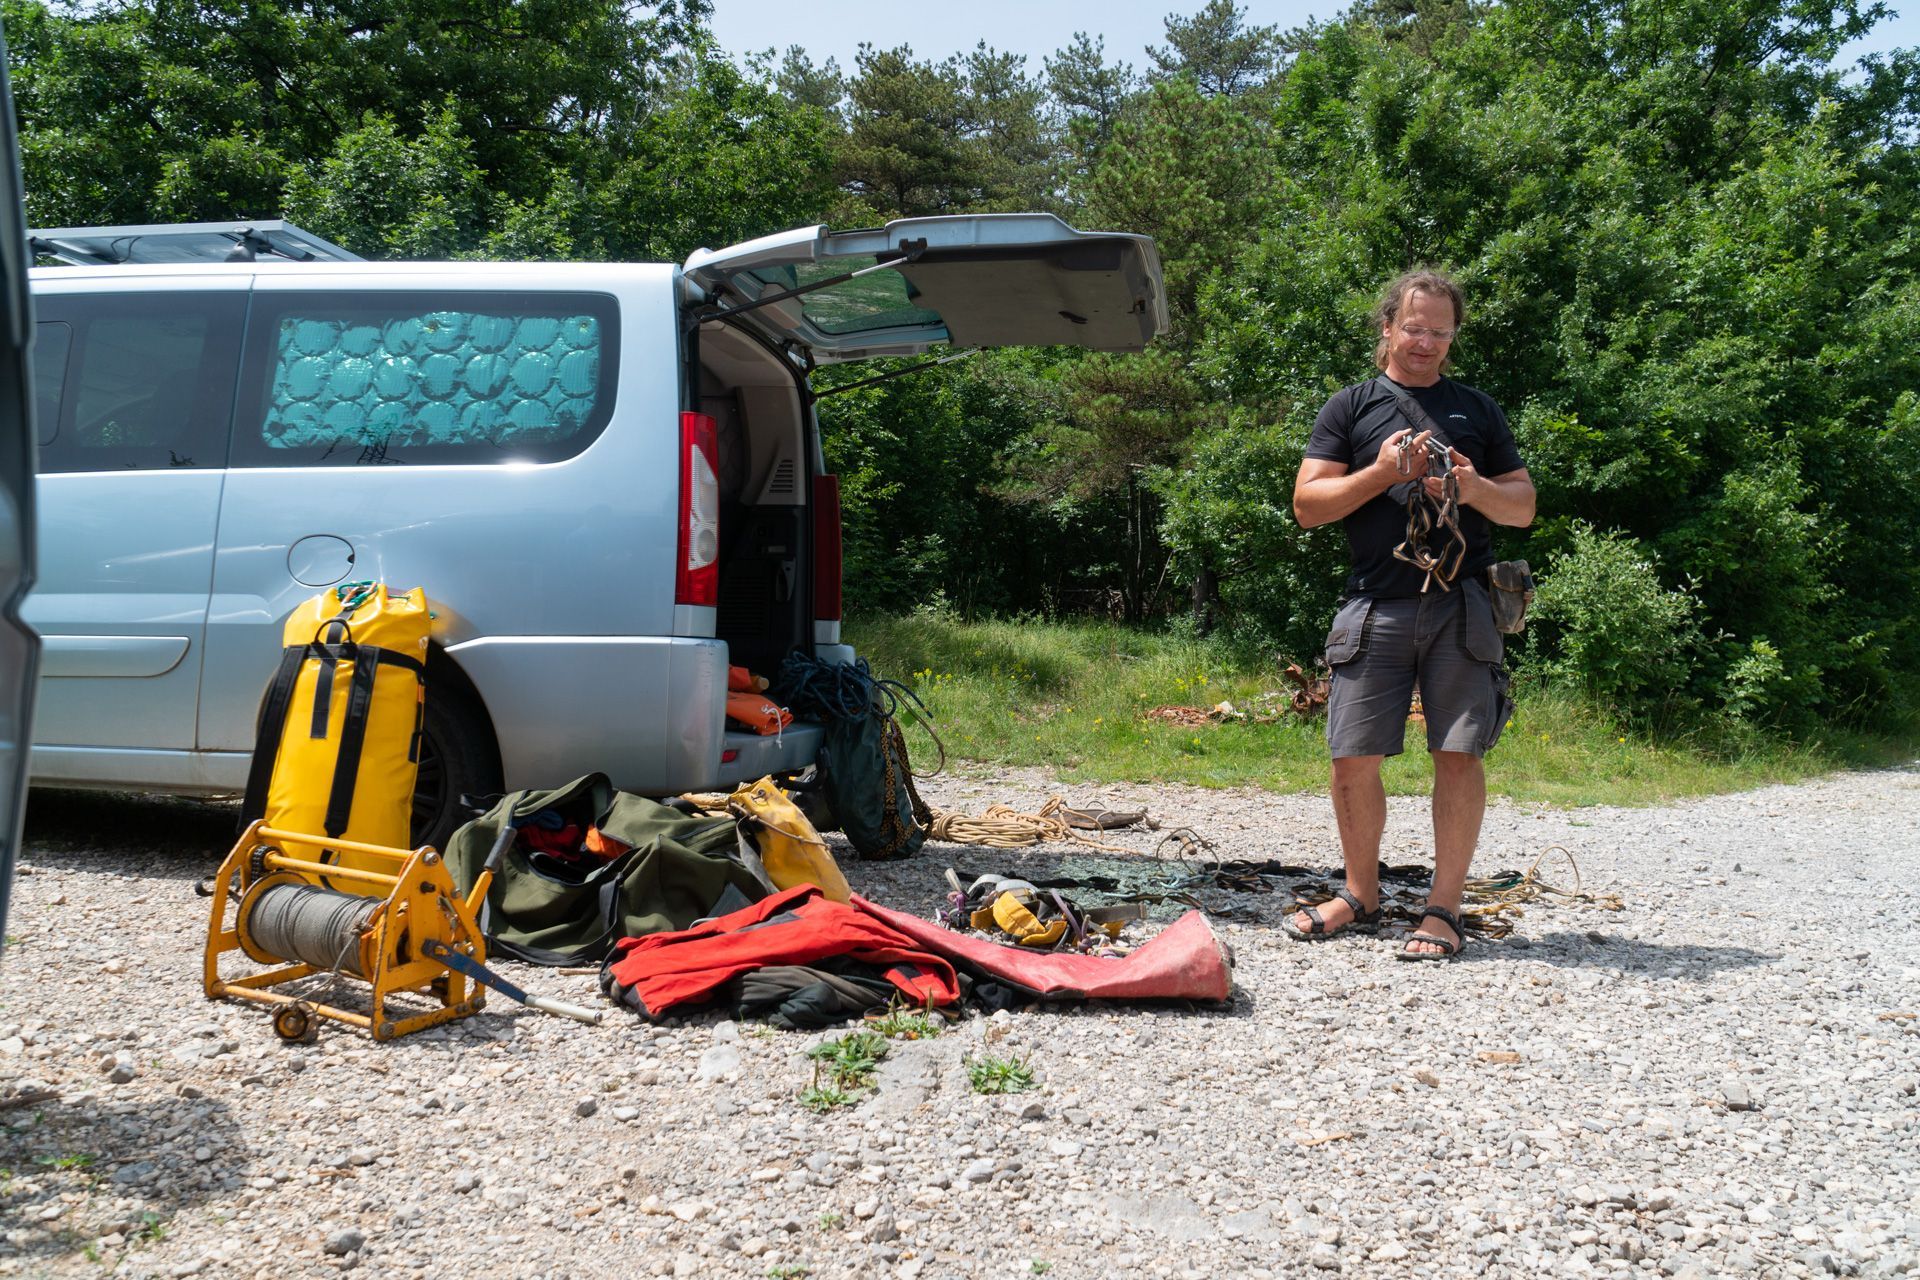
(819,690)
(312,925)
(1004,827)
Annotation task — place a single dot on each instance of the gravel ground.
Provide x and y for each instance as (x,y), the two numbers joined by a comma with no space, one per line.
(1719,1080)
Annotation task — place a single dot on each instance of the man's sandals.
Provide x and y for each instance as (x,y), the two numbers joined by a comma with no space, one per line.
(1364,921)
(1448,950)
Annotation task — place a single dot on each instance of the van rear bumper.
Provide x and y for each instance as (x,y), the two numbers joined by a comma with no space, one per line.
(649,712)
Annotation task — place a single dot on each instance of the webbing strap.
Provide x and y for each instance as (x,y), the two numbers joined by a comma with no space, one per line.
(323,693)
(266,743)
(353,736)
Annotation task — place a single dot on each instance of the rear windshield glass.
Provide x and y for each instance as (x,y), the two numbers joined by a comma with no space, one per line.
(883,300)
(408,378)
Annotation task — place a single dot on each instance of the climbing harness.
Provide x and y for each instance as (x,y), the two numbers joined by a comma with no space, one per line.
(1428,516)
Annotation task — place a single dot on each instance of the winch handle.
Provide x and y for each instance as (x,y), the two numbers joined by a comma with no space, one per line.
(480,973)
(495,857)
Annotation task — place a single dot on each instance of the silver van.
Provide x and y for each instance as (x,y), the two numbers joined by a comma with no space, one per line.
(608,477)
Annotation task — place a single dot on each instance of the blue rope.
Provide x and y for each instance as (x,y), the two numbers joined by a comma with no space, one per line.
(839,690)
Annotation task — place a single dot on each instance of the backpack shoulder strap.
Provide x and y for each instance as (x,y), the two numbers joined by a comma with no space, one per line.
(1417,418)
(266,742)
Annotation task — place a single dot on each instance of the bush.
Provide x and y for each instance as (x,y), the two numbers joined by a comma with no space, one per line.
(1611,628)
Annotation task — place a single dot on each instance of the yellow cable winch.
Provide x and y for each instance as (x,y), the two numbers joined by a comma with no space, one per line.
(404,932)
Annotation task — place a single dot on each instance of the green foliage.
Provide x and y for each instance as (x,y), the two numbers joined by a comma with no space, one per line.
(822,1098)
(906,1024)
(389,194)
(994,1074)
(1616,631)
(563,128)
(1217,50)
(1073,697)
(1687,234)
(937,137)
(849,1061)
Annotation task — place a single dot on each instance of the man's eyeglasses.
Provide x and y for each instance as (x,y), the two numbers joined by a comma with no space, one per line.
(1420,332)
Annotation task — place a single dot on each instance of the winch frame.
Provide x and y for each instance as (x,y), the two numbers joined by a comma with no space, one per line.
(419,904)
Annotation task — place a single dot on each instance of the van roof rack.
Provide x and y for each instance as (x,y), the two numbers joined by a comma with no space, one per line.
(270,238)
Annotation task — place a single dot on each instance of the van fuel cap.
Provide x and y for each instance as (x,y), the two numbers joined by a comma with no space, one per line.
(320,560)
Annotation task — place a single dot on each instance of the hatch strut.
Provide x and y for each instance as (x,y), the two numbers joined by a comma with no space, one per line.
(968,354)
(910,251)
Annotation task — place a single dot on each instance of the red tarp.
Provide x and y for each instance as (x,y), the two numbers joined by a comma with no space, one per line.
(1186,961)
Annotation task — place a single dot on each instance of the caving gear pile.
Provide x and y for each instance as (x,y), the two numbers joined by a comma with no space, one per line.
(1043,919)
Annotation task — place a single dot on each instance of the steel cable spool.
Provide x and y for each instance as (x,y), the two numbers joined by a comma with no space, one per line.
(301,922)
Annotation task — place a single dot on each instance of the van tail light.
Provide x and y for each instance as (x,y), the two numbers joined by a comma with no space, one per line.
(826,548)
(697,578)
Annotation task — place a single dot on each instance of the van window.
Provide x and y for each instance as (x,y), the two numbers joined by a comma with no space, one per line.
(52,340)
(148,380)
(334,380)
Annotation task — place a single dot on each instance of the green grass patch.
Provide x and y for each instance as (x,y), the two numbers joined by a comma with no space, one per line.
(905,1024)
(842,1067)
(851,1058)
(999,1075)
(1073,696)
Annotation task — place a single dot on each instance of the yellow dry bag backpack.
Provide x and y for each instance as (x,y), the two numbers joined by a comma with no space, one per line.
(339,743)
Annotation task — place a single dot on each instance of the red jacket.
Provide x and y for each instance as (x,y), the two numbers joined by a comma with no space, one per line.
(659,972)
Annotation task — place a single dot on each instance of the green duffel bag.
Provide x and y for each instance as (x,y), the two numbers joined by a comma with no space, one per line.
(563,911)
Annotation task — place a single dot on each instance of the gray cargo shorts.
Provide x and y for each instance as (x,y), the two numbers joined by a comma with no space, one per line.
(1445,641)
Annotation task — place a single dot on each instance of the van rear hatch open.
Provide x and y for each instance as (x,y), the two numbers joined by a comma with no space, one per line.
(972,280)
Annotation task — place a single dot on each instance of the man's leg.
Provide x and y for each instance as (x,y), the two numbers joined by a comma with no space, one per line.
(1360,811)
(1459,803)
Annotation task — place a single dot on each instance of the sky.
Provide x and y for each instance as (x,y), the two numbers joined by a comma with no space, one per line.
(1037,28)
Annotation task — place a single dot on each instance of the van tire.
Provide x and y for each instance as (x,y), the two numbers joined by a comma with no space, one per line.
(457,758)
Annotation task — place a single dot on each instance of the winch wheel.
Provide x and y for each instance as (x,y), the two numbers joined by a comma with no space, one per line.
(293,1022)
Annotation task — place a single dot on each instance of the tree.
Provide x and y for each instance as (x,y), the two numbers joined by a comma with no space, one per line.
(1217,50)
(1090,93)
(938,137)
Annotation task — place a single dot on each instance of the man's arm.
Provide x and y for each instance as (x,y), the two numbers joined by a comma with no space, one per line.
(1504,499)
(1325,491)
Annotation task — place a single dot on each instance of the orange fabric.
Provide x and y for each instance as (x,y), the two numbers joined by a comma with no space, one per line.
(757,714)
(741,680)
(602,845)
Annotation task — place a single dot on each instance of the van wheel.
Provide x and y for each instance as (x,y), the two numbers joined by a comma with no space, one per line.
(457,758)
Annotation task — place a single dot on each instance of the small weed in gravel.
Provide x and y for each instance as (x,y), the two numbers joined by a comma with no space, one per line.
(822,1098)
(999,1075)
(851,1058)
(906,1024)
(848,1062)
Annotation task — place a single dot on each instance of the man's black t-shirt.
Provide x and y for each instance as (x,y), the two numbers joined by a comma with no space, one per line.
(1351,428)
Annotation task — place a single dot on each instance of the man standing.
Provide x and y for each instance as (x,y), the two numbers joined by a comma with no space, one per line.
(1399,625)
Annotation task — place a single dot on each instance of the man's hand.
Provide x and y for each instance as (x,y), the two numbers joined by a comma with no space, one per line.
(1463,468)
(1389,459)
(1506,499)
(1325,491)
